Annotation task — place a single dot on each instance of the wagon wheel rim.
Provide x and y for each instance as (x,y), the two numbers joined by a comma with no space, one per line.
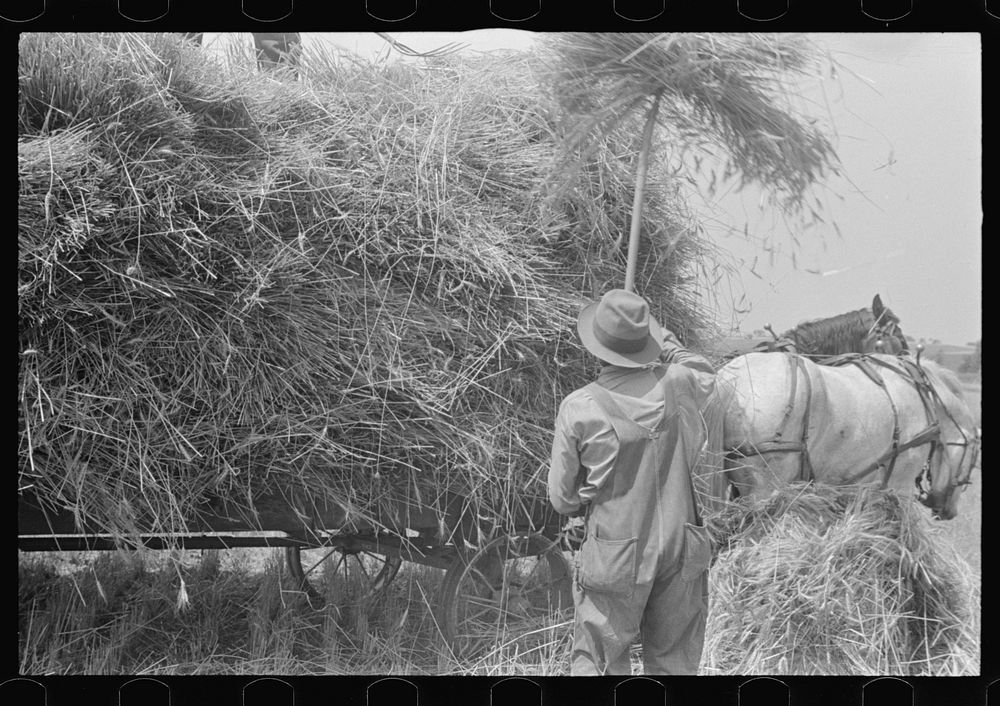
(368,572)
(509,595)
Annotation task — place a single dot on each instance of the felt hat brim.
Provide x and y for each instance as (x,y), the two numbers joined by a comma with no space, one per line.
(648,354)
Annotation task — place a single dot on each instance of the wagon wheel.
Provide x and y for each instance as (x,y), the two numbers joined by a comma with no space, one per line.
(506,595)
(364,573)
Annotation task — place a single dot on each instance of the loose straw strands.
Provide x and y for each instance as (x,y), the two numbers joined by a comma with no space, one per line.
(356,287)
(837,580)
(728,91)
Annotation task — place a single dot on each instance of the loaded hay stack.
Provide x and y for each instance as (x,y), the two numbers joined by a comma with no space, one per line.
(837,580)
(353,287)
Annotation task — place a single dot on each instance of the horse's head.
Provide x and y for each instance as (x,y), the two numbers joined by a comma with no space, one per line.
(959,458)
(885,335)
(957,452)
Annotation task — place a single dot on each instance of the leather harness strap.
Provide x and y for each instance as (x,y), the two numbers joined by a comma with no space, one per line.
(805,466)
(777,445)
(965,443)
(894,450)
(791,396)
(929,435)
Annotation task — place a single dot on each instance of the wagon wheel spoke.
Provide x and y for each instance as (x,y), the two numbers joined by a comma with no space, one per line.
(340,560)
(363,574)
(317,564)
(380,569)
(357,582)
(509,595)
(361,565)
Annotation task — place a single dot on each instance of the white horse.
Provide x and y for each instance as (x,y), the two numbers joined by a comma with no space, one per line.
(874,418)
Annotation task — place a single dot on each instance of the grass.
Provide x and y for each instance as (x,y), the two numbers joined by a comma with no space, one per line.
(119,613)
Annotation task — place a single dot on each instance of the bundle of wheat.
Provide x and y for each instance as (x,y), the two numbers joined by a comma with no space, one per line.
(358,286)
(835,580)
(733,96)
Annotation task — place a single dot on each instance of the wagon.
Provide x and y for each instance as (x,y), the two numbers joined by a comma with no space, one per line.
(496,583)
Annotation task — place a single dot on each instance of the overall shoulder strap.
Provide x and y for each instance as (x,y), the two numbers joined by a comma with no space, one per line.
(607,403)
(669,413)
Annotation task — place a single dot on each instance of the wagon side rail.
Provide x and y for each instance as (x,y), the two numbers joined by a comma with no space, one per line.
(421,534)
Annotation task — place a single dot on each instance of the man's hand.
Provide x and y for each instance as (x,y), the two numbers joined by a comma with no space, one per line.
(671,337)
(572,534)
(669,346)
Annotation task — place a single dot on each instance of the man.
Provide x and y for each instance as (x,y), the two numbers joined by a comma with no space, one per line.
(622,455)
(274,49)
(278,49)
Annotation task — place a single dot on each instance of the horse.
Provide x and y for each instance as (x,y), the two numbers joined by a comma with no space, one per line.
(865,418)
(874,330)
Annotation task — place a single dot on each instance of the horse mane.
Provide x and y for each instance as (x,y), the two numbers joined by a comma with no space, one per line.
(843,333)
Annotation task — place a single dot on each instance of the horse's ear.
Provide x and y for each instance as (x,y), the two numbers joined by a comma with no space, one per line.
(877,307)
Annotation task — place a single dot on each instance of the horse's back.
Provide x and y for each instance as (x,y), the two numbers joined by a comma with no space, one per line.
(752,387)
(768,396)
(757,390)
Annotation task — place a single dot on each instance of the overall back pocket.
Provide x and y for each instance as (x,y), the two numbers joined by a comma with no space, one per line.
(608,565)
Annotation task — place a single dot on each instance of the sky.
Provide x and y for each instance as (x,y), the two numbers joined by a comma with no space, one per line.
(908,128)
(906,110)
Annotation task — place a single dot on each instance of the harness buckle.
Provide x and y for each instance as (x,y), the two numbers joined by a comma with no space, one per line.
(923,480)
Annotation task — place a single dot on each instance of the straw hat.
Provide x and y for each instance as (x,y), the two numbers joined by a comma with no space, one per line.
(619,330)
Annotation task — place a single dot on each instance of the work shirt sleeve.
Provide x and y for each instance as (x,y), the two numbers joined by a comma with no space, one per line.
(583,455)
(704,372)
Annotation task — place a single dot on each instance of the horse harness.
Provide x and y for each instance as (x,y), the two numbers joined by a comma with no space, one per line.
(778,444)
(931,434)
